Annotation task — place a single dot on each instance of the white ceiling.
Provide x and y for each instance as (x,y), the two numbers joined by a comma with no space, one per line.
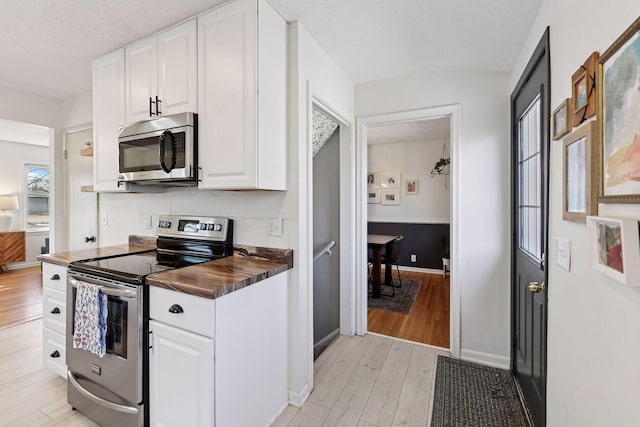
(47,46)
(417,131)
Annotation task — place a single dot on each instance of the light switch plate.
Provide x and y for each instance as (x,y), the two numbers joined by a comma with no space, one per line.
(563,253)
(274,227)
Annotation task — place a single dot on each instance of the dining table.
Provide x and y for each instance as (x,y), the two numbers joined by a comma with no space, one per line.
(376,242)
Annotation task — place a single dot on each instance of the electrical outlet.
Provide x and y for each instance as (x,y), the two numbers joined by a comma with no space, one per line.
(274,227)
(105,219)
(413,257)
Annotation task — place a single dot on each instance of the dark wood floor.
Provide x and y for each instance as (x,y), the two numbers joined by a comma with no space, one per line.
(427,322)
(20,295)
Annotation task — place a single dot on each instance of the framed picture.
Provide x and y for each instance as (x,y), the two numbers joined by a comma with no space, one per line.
(583,83)
(390,180)
(390,197)
(580,174)
(562,119)
(373,178)
(412,186)
(373,195)
(618,101)
(615,248)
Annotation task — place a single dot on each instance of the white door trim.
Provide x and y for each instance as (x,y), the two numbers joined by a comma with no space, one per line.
(362,123)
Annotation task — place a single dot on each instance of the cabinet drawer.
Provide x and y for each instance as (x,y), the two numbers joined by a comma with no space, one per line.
(54,277)
(54,310)
(54,355)
(194,314)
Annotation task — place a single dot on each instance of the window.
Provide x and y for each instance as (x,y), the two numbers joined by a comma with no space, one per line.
(37,199)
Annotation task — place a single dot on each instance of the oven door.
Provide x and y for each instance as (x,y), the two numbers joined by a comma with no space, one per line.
(115,380)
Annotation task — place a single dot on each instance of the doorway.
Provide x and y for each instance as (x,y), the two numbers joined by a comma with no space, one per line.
(408,200)
(452,113)
(530,117)
(81,203)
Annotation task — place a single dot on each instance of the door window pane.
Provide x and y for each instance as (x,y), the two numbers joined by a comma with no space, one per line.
(529,181)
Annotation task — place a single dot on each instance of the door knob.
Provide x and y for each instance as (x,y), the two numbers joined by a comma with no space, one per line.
(90,239)
(536,287)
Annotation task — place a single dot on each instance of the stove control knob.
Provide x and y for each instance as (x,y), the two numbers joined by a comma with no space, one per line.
(217,227)
(160,224)
(167,224)
(209,226)
(203,226)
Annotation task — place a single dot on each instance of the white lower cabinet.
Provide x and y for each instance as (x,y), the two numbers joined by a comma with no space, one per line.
(181,382)
(54,317)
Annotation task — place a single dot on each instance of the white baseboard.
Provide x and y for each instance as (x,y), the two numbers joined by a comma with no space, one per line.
(297,399)
(327,340)
(487,359)
(421,270)
(23,265)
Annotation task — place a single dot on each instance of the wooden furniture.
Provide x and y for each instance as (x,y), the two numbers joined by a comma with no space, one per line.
(12,248)
(376,242)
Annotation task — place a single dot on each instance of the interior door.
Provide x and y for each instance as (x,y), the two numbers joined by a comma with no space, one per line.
(530,171)
(81,201)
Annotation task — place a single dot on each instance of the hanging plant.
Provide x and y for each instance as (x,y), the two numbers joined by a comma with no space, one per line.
(441,167)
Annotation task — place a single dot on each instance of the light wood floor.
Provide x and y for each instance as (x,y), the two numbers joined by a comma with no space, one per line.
(31,395)
(427,322)
(20,295)
(368,381)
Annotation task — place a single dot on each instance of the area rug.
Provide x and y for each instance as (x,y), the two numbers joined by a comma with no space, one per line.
(472,395)
(403,299)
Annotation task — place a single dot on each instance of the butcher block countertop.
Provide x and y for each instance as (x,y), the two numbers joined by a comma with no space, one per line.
(66,258)
(217,278)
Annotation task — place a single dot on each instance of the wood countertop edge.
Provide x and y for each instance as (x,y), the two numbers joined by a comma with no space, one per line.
(219,291)
(65,258)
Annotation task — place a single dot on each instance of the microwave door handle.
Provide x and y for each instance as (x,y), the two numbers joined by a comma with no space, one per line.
(167,151)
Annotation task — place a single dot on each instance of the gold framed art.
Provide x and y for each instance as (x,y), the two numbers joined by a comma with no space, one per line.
(583,90)
(580,173)
(562,118)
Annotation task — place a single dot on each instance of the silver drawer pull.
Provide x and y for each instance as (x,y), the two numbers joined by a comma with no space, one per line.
(99,400)
(176,309)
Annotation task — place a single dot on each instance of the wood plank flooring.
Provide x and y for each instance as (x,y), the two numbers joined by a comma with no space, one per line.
(31,395)
(368,381)
(20,295)
(427,322)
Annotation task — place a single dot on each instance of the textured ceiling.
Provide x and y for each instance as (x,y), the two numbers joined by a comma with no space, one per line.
(47,46)
(422,130)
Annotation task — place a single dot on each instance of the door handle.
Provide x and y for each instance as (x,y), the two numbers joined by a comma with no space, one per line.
(536,287)
(151,114)
(158,101)
(90,239)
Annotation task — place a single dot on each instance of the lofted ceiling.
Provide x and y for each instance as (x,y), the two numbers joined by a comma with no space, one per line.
(47,46)
(417,131)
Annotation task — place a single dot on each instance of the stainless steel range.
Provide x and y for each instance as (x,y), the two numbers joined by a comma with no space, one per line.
(113,390)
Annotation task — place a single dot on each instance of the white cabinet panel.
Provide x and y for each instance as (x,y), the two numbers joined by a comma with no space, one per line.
(54,304)
(108,117)
(196,314)
(54,311)
(236,150)
(181,378)
(141,79)
(178,69)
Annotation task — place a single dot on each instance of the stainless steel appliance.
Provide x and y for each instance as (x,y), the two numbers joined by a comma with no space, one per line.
(113,390)
(161,151)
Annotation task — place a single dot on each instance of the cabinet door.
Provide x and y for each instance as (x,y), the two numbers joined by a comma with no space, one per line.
(141,80)
(180,377)
(227,96)
(108,117)
(178,69)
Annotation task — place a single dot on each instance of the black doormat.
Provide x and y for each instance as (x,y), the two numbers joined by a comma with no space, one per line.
(472,395)
(403,299)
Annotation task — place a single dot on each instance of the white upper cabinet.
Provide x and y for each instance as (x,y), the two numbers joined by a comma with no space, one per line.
(161,74)
(242,97)
(108,117)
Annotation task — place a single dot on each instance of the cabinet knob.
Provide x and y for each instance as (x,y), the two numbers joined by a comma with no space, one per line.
(55,354)
(175,308)
(56,310)
(55,277)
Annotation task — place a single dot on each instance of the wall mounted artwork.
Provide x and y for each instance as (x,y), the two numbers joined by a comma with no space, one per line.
(373,195)
(615,248)
(562,119)
(580,173)
(390,197)
(390,180)
(584,87)
(619,112)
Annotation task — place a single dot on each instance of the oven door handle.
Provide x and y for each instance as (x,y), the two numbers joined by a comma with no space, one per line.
(107,290)
(100,401)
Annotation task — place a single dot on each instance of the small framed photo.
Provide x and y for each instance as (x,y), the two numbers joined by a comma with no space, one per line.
(562,119)
(583,83)
(373,178)
(615,248)
(580,176)
(412,186)
(373,195)
(390,180)
(390,197)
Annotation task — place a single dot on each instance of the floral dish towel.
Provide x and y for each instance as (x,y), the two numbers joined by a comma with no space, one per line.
(90,316)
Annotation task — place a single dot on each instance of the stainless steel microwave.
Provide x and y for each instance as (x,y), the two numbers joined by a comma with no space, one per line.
(160,151)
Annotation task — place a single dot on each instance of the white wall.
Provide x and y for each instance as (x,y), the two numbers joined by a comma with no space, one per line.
(77,111)
(594,322)
(12,181)
(414,160)
(483,272)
